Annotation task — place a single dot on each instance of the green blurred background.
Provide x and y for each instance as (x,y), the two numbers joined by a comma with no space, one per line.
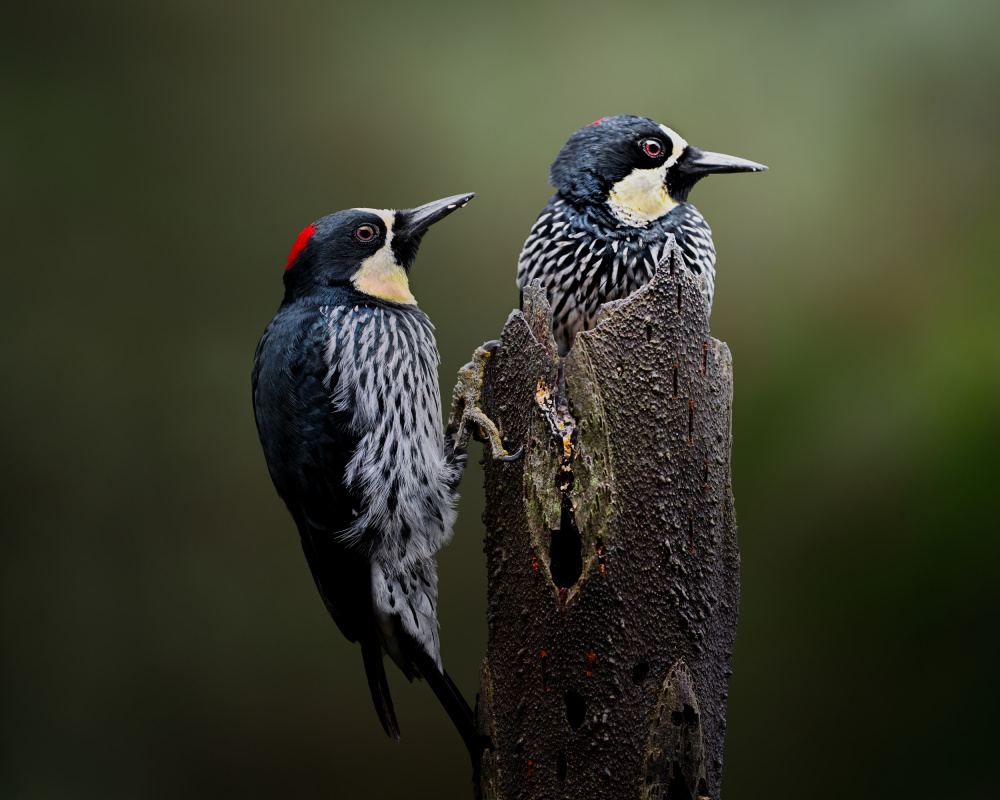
(161,637)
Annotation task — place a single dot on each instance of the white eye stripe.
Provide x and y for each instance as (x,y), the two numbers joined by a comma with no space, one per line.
(387,216)
(678,142)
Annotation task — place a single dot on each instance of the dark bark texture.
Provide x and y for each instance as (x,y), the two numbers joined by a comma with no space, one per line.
(612,554)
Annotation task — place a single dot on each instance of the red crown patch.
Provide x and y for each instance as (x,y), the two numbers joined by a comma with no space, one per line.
(300,244)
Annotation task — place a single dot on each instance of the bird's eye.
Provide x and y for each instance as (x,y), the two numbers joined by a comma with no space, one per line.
(365,233)
(653,148)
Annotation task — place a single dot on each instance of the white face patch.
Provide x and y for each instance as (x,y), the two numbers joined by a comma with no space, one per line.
(380,275)
(642,196)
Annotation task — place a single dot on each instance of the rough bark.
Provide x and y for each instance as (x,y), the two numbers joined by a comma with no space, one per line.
(612,554)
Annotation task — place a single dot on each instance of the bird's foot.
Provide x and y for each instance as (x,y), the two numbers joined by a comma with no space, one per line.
(466,416)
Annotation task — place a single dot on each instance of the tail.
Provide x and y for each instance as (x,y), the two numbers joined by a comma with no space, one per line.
(371,652)
(451,698)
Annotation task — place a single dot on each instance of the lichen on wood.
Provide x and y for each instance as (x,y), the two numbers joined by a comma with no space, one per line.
(611,551)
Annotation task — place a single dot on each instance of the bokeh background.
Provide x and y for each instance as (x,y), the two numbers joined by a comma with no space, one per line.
(161,637)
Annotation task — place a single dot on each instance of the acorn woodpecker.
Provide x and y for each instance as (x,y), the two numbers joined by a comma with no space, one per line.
(346,399)
(622,185)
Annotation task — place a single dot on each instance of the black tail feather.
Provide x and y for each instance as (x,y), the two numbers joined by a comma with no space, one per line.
(371,652)
(454,703)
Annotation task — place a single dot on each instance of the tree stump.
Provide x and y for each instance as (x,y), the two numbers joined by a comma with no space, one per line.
(611,550)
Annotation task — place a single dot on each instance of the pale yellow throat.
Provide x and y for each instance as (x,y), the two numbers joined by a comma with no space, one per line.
(380,276)
(641,197)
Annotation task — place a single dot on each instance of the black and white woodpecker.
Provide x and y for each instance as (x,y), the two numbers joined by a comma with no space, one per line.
(622,185)
(346,399)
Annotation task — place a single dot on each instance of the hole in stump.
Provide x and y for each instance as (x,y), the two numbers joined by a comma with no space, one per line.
(576,709)
(640,672)
(677,789)
(565,558)
(561,766)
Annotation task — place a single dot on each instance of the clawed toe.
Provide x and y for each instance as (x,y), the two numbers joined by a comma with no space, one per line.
(513,456)
(466,416)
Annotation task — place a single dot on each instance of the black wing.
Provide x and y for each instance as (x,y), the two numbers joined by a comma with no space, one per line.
(307,445)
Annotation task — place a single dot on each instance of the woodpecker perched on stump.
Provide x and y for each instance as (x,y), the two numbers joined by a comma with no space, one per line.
(622,185)
(346,399)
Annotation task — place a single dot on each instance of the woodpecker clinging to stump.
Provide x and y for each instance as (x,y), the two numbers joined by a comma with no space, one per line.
(622,185)
(346,399)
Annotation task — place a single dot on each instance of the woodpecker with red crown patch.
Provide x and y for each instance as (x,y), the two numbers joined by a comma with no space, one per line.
(622,185)
(346,399)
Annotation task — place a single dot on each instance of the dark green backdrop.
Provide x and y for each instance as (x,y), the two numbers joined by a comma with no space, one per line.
(161,637)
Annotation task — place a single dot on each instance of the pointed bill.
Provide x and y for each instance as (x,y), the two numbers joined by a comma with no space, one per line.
(417,220)
(698,162)
(411,224)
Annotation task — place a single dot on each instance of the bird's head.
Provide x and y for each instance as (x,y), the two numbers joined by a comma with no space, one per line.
(367,249)
(637,169)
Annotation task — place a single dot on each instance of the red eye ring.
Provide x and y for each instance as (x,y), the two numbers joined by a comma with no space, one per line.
(653,148)
(365,233)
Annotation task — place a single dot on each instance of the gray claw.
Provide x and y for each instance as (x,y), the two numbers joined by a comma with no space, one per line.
(465,411)
(515,456)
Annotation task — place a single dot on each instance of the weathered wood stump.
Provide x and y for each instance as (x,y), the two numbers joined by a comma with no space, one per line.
(612,554)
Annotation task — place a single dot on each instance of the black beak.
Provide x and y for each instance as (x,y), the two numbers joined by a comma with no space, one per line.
(411,224)
(695,162)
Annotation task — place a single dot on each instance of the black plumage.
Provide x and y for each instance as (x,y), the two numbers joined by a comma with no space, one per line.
(622,185)
(348,410)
